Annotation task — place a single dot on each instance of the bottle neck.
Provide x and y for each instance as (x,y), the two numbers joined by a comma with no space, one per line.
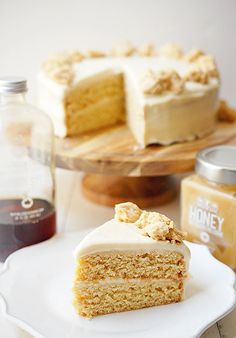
(12,98)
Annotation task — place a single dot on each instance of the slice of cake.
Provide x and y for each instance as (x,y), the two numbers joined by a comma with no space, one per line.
(136,260)
(166,96)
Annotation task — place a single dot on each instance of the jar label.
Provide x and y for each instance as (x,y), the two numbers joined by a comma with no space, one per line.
(204,215)
(208,216)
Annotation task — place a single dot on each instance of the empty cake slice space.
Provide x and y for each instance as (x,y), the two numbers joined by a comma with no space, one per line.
(136,260)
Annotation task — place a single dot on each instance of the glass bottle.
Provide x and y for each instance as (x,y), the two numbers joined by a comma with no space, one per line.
(208,202)
(27,187)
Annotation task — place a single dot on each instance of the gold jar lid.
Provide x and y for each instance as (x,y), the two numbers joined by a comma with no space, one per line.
(217,164)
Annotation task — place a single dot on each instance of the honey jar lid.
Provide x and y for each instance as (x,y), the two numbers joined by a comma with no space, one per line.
(217,164)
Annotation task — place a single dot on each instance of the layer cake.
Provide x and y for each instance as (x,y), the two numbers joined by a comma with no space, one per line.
(136,260)
(165,96)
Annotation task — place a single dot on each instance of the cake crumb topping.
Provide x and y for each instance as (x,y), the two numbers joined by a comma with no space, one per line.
(193,55)
(207,64)
(154,83)
(226,113)
(127,212)
(159,227)
(152,224)
(123,49)
(75,56)
(96,54)
(171,50)
(195,74)
(59,68)
(147,50)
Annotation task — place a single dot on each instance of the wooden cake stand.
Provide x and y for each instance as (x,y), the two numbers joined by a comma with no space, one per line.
(118,170)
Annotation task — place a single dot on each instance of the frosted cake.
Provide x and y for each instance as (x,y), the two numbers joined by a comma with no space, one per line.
(165,96)
(136,260)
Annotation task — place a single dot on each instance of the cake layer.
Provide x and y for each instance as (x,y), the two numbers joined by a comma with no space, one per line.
(91,105)
(104,113)
(131,265)
(90,92)
(94,299)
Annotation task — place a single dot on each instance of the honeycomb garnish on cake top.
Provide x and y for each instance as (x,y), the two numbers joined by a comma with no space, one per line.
(59,71)
(147,50)
(154,83)
(208,65)
(59,67)
(86,91)
(193,55)
(171,50)
(159,227)
(125,48)
(127,212)
(75,56)
(196,74)
(152,224)
(96,54)
(120,269)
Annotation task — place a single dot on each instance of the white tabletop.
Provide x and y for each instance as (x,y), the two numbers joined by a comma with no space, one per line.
(74,212)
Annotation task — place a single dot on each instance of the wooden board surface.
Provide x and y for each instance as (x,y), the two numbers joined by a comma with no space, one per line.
(114,152)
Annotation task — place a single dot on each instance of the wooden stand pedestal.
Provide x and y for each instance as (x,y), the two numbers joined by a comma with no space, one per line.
(144,191)
(144,174)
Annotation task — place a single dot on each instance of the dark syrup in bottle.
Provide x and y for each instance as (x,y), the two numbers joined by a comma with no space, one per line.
(22,225)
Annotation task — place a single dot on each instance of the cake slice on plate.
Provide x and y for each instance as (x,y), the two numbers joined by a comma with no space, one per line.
(136,260)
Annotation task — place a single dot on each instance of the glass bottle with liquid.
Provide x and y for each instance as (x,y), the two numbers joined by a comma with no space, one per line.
(27,187)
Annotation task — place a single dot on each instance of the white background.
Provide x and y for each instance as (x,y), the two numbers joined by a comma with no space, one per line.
(31,29)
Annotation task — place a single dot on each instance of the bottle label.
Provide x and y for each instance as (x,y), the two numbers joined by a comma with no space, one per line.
(27,213)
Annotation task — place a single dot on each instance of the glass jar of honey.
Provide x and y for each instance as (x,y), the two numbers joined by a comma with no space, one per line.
(208,202)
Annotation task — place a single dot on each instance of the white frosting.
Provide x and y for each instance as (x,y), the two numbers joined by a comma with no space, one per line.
(151,118)
(119,236)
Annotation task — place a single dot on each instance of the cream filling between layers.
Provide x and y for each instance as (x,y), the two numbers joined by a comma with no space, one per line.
(117,281)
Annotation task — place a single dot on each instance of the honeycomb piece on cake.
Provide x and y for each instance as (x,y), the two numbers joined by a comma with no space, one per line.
(208,65)
(195,74)
(154,83)
(159,227)
(75,56)
(147,50)
(95,54)
(193,55)
(171,50)
(127,212)
(123,49)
